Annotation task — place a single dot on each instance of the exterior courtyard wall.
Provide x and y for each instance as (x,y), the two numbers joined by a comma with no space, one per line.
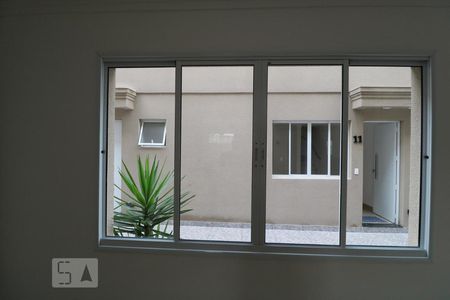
(289,201)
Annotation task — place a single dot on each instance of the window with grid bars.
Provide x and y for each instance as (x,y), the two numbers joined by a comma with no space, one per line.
(306,148)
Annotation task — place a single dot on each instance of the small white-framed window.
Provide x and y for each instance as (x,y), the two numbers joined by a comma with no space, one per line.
(302,149)
(152,133)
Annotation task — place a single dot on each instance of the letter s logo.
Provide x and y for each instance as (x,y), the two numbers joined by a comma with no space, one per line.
(68,273)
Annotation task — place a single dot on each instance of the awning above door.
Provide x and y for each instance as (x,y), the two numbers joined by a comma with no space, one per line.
(380,97)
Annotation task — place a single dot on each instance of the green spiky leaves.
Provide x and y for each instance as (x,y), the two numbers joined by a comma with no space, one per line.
(148,203)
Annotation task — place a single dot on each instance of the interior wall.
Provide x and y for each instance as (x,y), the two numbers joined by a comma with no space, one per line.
(50,79)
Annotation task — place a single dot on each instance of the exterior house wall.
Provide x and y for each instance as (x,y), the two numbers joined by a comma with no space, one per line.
(220,174)
(216,155)
(301,201)
(377,77)
(148,106)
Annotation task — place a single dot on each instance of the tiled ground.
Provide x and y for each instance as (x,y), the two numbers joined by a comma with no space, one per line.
(295,234)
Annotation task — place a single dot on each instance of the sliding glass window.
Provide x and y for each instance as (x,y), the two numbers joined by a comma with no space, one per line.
(140,156)
(304,110)
(383,188)
(326,156)
(216,152)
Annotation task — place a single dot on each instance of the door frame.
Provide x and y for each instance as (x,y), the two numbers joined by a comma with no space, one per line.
(398,157)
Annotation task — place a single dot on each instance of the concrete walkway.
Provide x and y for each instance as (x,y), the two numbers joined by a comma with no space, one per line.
(294,234)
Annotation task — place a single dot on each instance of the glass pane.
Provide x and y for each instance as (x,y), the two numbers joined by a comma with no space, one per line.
(137,94)
(280,146)
(319,148)
(302,207)
(299,148)
(216,152)
(335,147)
(383,193)
(153,133)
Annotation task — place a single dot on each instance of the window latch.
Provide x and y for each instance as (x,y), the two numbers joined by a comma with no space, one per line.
(259,155)
(255,156)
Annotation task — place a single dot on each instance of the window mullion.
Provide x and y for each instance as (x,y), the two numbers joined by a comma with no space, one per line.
(329,150)
(290,148)
(258,213)
(177,162)
(309,152)
(343,156)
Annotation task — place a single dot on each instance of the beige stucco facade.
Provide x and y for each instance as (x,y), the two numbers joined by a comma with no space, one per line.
(217,136)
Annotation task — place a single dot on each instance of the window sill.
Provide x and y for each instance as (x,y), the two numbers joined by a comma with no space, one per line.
(212,247)
(153,146)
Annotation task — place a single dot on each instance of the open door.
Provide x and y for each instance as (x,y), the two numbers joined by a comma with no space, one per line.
(382,152)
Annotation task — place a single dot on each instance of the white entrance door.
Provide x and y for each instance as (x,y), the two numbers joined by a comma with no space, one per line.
(385,172)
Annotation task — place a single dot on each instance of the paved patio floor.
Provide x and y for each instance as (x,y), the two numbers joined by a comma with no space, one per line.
(294,234)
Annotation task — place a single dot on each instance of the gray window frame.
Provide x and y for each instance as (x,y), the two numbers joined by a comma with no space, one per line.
(257,246)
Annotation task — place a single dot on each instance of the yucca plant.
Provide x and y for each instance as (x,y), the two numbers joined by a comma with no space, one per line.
(145,208)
